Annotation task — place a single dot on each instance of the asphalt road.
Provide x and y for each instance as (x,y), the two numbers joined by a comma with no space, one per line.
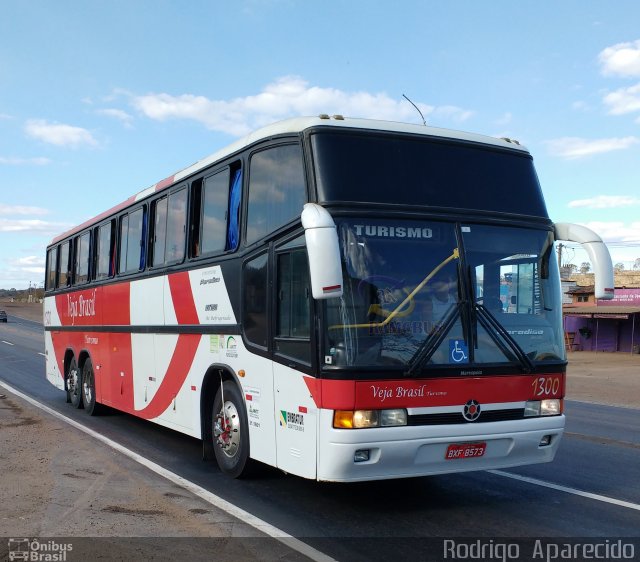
(600,455)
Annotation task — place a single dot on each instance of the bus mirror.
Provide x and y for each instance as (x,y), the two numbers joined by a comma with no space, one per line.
(598,255)
(325,267)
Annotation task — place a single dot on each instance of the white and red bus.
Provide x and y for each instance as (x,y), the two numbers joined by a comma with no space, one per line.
(343,299)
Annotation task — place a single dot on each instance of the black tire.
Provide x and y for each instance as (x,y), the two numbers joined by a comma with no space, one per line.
(89,389)
(74,384)
(230,439)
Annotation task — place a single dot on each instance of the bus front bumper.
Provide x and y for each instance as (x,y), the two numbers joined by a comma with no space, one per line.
(410,451)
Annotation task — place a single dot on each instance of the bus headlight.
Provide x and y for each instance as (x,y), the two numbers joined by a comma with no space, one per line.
(548,407)
(361,419)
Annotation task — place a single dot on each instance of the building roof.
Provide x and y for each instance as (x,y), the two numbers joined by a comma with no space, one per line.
(600,310)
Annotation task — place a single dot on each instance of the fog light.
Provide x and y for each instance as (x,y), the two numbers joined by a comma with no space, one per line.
(361,455)
(545,441)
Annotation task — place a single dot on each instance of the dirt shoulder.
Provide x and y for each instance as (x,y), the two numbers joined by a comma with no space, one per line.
(28,311)
(604,378)
(59,482)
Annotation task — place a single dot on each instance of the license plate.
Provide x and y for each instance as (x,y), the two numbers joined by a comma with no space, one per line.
(465,451)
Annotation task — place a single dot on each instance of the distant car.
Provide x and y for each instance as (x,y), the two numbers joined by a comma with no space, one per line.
(3,316)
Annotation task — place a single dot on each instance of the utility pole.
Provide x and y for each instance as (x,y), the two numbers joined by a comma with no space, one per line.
(560,247)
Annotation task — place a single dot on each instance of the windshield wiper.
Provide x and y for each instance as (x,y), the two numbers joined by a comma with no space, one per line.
(428,347)
(492,326)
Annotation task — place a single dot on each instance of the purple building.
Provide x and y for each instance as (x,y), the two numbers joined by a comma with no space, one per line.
(598,325)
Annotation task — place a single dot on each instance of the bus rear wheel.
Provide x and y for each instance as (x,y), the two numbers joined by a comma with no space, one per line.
(230,431)
(74,384)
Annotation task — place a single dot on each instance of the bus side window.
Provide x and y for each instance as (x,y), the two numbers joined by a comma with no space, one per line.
(215,197)
(52,255)
(254,310)
(63,266)
(132,241)
(104,250)
(82,244)
(277,191)
(176,226)
(159,231)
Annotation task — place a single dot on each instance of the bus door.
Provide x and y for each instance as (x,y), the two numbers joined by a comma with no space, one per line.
(295,411)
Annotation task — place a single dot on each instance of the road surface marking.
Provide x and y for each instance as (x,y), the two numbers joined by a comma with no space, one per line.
(566,489)
(7,342)
(43,355)
(210,497)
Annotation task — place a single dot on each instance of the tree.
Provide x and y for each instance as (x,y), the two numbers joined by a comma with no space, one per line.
(636,264)
(618,267)
(585,267)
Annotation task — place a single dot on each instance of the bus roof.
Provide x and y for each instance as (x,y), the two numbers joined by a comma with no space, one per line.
(292,126)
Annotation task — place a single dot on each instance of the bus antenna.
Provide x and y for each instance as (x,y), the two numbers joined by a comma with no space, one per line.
(424,122)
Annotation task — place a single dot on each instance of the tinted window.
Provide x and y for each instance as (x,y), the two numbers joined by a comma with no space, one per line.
(277,190)
(104,260)
(63,265)
(215,202)
(159,232)
(293,327)
(414,171)
(255,300)
(132,257)
(170,228)
(51,268)
(176,227)
(83,243)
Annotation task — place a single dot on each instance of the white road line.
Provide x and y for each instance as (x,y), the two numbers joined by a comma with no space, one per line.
(244,516)
(43,355)
(574,491)
(7,342)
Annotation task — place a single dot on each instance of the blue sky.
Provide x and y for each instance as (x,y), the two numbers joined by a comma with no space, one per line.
(99,100)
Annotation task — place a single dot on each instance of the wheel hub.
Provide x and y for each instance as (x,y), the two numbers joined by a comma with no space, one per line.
(226,430)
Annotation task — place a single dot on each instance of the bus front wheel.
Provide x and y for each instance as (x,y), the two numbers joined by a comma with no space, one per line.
(230,431)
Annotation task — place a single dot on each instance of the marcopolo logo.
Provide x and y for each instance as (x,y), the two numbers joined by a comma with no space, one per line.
(38,550)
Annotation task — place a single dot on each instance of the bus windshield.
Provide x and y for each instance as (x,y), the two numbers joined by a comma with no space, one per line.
(419,294)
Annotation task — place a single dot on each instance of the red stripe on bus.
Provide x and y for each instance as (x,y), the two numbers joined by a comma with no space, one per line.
(174,378)
(182,298)
(380,394)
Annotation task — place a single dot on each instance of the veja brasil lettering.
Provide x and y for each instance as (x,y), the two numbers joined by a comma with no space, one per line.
(382,393)
(81,306)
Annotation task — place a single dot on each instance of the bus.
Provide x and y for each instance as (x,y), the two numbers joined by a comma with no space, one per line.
(343,299)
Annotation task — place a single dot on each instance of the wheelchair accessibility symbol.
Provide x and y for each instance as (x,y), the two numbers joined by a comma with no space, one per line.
(458,351)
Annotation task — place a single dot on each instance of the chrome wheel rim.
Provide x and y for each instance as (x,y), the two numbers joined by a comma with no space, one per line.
(226,430)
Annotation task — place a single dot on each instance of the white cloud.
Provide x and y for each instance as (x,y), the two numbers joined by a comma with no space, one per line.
(59,134)
(118,114)
(616,232)
(12,161)
(286,97)
(622,59)
(624,100)
(21,210)
(32,226)
(606,202)
(572,148)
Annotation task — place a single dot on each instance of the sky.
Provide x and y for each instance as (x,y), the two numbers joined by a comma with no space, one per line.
(101,99)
